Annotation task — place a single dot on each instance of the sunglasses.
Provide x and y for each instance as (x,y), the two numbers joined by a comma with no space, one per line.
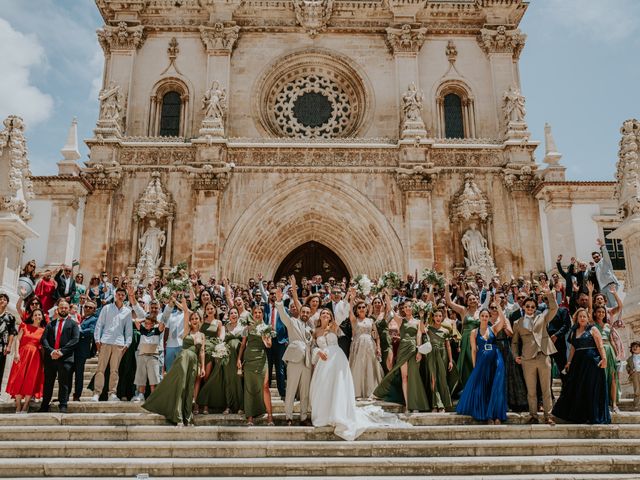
(362,307)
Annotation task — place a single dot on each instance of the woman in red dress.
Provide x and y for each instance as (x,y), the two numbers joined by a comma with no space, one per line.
(27,374)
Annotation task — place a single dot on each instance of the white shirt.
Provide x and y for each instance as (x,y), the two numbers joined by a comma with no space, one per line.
(340,311)
(174,323)
(636,362)
(114,326)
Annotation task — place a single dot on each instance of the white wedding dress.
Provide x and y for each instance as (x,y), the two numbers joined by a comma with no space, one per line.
(332,395)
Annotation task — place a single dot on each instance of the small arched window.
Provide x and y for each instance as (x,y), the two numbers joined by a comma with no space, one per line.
(170,115)
(453,119)
(456,111)
(169,108)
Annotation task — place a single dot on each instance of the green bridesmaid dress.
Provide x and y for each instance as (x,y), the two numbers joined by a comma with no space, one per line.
(611,371)
(212,394)
(439,380)
(173,397)
(386,345)
(255,369)
(465,362)
(406,354)
(233,388)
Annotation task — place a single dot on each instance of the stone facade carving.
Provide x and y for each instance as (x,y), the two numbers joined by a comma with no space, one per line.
(470,202)
(313,15)
(451,52)
(152,155)
(412,123)
(214,105)
(103,177)
(121,37)
(17,189)
(478,257)
(152,240)
(522,179)
(406,39)
(220,38)
(211,176)
(502,40)
(416,178)
(154,202)
(514,112)
(628,170)
(111,112)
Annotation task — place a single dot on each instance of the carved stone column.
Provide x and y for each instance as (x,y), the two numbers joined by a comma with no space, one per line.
(628,196)
(120,43)
(404,42)
(417,183)
(15,192)
(503,45)
(209,183)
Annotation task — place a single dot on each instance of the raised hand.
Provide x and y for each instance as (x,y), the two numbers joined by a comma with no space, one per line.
(279,294)
(559,259)
(292,281)
(590,286)
(599,242)
(544,286)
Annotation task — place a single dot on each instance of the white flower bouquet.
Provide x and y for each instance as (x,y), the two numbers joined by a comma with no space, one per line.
(164,293)
(220,349)
(424,307)
(433,277)
(265,330)
(363,284)
(389,280)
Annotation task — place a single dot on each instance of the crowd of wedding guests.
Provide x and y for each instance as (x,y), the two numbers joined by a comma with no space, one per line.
(214,346)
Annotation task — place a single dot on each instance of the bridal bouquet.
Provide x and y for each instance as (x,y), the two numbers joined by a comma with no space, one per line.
(178,281)
(424,307)
(220,349)
(389,280)
(363,284)
(265,330)
(433,277)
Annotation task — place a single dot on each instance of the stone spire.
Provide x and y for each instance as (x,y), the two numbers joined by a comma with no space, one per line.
(70,152)
(551,154)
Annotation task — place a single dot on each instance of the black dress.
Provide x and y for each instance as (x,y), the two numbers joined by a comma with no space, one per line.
(514,378)
(584,398)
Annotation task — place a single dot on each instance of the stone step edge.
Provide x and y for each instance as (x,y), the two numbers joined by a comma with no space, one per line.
(320,466)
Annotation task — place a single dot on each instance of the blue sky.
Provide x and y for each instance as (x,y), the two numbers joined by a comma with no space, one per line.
(579,70)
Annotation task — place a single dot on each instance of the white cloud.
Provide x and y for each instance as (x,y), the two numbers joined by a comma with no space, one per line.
(20,53)
(610,21)
(95,66)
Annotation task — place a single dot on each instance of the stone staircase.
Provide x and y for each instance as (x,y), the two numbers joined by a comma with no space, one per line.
(121,440)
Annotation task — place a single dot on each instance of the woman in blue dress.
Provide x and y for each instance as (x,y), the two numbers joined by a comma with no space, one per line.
(484,396)
(584,397)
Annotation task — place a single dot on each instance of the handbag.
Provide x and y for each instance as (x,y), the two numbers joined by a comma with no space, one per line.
(425,348)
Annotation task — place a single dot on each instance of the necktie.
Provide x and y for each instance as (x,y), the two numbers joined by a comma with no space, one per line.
(58,334)
(273,317)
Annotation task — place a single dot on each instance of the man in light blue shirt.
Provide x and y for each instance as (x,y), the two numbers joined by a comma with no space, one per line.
(173,318)
(604,272)
(113,335)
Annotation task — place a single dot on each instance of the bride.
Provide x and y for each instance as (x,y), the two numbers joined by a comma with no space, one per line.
(332,395)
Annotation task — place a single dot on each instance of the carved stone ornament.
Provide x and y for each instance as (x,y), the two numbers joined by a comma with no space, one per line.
(407,39)
(313,15)
(103,177)
(470,202)
(628,170)
(219,39)
(416,178)
(214,105)
(451,52)
(514,112)
(211,176)
(478,258)
(111,112)
(14,166)
(154,202)
(412,123)
(121,37)
(522,179)
(502,40)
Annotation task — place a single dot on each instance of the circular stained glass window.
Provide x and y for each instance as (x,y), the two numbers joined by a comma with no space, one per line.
(312,109)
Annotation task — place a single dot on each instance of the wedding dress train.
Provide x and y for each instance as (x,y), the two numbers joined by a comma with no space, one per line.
(332,395)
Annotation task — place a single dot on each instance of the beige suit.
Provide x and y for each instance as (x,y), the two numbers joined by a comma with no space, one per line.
(298,360)
(536,350)
(634,378)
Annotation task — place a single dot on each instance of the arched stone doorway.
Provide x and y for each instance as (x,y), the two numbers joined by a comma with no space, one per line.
(312,258)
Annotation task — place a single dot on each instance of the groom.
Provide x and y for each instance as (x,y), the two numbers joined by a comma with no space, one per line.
(297,357)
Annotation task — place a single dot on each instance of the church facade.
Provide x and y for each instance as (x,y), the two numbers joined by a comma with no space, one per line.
(320,136)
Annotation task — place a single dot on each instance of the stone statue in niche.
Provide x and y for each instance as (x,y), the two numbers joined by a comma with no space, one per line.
(475,246)
(150,244)
(514,110)
(111,103)
(214,103)
(412,104)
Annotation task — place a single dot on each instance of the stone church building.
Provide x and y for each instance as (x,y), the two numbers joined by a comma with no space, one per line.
(314,136)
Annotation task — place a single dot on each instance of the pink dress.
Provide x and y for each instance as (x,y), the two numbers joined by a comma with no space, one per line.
(27,376)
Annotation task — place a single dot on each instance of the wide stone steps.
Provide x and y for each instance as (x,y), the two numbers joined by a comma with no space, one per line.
(320,466)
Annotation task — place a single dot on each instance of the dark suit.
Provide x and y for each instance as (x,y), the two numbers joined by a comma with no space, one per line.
(61,282)
(278,347)
(560,326)
(344,341)
(63,366)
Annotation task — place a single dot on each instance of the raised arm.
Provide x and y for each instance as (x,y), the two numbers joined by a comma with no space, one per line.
(501,323)
(227,292)
(552,303)
(474,346)
(618,308)
(284,316)
(351,297)
(186,314)
(294,292)
(459,309)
